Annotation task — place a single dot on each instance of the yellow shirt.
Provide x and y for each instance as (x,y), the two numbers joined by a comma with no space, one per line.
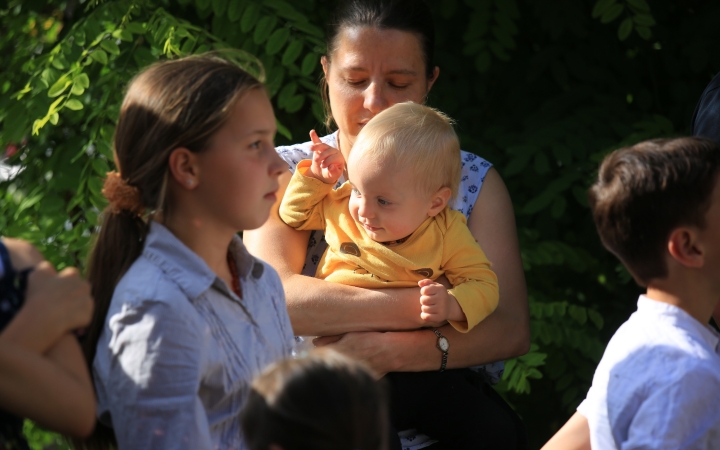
(441,245)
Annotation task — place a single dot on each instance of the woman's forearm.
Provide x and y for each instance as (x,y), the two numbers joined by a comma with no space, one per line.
(38,387)
(320,308)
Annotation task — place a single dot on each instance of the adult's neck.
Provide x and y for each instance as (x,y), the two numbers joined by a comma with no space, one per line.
(690,292)
(208,240)
(345,144)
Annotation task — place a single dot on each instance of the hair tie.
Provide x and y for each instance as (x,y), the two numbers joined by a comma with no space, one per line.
(121,195)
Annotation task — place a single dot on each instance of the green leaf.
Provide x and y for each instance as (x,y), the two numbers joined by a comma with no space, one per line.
(292,52)
(277,40)
(54,118)
(595,318)
(59,86)
(220,5)
(601,7)
(283,130)
(123,35)
(286,10)
(625,29)
(641,5)
(82,80)
(286,93)
(110,47)
(77,90)
(612,13)
(644,32)
(135,28)
(250,17)
(99,56)
(558,207)
(202,5)
(264,28)
(309,28)
(309,63)
(644,20)
(74,104)
(235,9)
(294,103)
(578,313)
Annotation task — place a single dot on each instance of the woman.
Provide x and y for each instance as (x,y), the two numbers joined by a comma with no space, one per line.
(381,53)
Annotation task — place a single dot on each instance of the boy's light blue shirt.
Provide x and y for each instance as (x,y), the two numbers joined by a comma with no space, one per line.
(658,384)
(179,349)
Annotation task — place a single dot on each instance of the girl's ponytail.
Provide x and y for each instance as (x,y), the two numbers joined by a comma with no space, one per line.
(172,104)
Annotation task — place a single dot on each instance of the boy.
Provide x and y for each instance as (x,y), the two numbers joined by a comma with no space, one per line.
(657,208)
(391,226)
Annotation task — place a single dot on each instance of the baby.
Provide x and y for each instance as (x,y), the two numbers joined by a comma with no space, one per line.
(390,226)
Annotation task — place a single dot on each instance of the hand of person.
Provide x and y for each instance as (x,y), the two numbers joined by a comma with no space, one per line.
(372,347)
(327,163)
(55,304)
(437,305)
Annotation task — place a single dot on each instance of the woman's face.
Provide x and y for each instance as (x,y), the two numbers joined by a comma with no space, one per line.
(370,70)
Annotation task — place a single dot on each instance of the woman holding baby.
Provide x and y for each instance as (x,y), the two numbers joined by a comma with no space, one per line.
(380,53)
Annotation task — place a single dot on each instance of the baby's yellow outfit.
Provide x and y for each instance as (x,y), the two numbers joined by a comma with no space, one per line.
(442,245)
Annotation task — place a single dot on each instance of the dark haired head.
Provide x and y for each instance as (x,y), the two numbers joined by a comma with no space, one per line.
(411,16)
(645,191)
(323,401)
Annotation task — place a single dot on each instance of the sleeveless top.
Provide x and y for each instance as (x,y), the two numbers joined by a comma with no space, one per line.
(474,169)
(12,297)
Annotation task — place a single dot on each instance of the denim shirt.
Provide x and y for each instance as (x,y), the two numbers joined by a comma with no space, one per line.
(179,349)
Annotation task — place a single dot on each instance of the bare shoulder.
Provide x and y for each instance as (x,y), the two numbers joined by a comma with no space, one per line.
(22,253)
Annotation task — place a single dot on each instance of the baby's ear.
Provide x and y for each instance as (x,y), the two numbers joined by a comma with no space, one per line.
(439,201)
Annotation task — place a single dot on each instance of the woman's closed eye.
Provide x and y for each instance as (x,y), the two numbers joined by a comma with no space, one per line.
(355,192)
(383,202)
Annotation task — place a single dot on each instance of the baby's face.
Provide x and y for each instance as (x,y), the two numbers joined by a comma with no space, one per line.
(385,200)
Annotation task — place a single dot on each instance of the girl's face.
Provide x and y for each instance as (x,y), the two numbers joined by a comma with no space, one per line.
(240,170)
(373,69)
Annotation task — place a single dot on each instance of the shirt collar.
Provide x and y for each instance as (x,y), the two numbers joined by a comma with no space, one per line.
(681,319)
(186,268)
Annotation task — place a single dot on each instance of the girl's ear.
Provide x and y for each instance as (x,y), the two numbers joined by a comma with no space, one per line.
(431,82)
(325,63)
(184,168)
(685,248)
(439,201)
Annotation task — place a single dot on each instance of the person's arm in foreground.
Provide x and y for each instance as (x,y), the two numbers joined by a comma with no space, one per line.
(43,375)
(574,435)
(320,308)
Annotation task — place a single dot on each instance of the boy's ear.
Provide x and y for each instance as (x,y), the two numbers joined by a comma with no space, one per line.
(684,247)
(439,201)
(184,168)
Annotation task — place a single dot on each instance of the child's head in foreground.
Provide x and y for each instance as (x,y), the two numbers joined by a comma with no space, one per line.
(404,167)
(324,400)
(658,203)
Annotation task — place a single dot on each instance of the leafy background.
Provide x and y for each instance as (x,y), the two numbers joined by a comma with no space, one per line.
(541,89)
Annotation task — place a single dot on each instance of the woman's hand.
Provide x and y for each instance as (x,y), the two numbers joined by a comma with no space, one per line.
(373,347)
(55,303)
(327,163)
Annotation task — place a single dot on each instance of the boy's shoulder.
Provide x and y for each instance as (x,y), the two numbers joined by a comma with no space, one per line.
(660,366)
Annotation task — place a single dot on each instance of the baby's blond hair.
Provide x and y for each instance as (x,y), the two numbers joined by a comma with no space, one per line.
(416,136)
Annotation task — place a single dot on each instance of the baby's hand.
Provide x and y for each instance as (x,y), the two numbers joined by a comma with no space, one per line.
(327,163)
(437,305)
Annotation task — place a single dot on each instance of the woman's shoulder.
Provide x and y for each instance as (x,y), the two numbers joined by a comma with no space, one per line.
(294,153)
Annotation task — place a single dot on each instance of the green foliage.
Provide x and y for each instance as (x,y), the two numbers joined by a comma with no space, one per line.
(541,89)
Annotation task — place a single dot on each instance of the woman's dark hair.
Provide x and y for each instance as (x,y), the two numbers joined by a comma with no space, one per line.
(171,104)
(322,401)
(412,16)
(644,192)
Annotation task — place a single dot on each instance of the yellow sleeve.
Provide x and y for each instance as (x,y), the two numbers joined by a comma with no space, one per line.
(475,285)
(307,200)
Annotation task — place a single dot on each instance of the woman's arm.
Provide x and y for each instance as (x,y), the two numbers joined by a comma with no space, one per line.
(504,334)
(319,308)
(574,435)
(52,389)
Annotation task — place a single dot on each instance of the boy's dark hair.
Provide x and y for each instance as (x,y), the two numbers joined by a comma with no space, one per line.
(645,191)
(322,401)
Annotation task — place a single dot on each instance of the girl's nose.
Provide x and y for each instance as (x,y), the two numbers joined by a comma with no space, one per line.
(375,100)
